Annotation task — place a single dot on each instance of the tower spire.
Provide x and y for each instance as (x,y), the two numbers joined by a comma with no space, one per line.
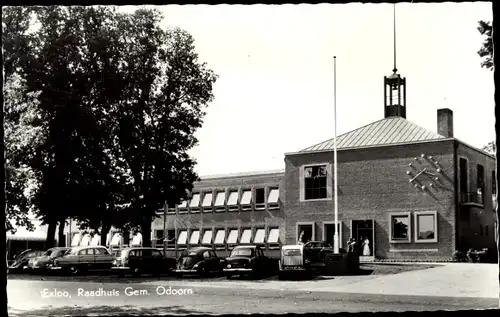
(394,10)
(394,85)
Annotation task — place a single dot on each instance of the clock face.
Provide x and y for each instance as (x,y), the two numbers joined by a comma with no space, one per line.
(425,172)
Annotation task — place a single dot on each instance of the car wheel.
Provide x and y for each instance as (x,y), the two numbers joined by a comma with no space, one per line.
(73,270)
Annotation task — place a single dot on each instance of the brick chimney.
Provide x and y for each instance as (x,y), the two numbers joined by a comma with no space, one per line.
(445,122)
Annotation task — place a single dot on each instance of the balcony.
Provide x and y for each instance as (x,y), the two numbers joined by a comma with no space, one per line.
(471,198)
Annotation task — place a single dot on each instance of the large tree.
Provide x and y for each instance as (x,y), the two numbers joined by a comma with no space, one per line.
(119,100)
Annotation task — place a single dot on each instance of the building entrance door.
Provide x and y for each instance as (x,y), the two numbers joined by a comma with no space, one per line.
(364,233)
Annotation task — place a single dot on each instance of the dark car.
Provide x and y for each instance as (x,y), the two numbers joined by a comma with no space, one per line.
(40,263)
(200,261)
(21,261)
(247,260)
(143,260)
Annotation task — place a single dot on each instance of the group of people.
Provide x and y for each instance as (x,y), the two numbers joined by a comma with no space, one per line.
(352,246)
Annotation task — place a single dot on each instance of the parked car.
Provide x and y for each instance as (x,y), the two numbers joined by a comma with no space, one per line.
(247,260)
(293,261)
(201,261)
(40,263)
(85,258)
(140,260)
(21,261)
(315,252)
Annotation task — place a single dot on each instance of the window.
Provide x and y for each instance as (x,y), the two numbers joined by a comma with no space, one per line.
(425,226)
(76,239)
(486,230)
(117,239)
(315,182)
(400,228)
(464,182)
(206,255)
(182,240)
(259,236)
(220,201)
(272,199)
(232,200)
(137,240)
(207,202)
(171,236)
(159,235)
(232,238)
(246,200)
(195,237)
(480,183)
(183,206)
(305,232)
(246,236)
(220,236)
(96,240)
(274,236)
(194,204)
(493,182)
(99,251)
(207,237)
(156,253)
(85,240)
(329,232)
(170,208)
(260,198)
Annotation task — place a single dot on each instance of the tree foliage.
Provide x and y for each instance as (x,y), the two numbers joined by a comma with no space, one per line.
(118,100)
(486,51)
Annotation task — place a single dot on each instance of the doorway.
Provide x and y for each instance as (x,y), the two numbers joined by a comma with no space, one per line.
(363,231)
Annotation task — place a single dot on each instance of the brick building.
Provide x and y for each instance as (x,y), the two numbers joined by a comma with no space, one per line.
(409,192)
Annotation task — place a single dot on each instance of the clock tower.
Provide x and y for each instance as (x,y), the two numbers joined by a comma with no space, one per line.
(395,88)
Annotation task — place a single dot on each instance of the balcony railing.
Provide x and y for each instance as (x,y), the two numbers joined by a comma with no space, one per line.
(473,198)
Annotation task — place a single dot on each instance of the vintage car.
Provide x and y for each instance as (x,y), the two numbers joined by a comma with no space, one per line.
(201,261)
(293,261)
(40,263)
(21,260)
(138,260)
(84,258)
(247,260)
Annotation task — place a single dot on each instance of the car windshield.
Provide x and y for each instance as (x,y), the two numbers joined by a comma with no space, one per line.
(242,252)
(291,252)
(48,252)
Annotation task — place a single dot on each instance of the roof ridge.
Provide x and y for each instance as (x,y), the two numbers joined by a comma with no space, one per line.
(351,131)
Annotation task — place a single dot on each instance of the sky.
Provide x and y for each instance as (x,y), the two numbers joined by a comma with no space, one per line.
(275,92)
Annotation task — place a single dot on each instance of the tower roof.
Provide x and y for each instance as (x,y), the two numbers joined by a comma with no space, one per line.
(391,130)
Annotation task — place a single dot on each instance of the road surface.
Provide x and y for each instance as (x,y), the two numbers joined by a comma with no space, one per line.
(42,296)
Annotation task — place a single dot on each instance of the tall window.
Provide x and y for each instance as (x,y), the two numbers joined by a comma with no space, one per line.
(315,182)
(464,182)
(480,183)
(425,226)
(493,182)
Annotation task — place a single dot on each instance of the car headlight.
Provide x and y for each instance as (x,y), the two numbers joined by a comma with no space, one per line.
(229,266)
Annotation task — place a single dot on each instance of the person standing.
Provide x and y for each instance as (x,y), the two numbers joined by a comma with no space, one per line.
(366,247)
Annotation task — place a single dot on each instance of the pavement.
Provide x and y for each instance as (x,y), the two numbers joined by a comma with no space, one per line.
(445,287)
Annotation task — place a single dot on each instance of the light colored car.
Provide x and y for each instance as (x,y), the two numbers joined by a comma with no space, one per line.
(83,259)
(293,260)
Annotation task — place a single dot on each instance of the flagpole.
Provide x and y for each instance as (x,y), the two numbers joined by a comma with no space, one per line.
(335,189)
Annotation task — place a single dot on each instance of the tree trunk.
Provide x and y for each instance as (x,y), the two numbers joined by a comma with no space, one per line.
(51,232)
(61,237)
(104,234)
(146,232)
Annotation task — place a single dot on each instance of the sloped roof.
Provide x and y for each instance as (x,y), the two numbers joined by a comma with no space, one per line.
(391,130)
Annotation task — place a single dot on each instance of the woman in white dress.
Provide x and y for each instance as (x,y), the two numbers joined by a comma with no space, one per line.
(366,247)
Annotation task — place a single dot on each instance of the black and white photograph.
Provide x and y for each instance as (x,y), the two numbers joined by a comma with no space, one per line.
(250,159)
